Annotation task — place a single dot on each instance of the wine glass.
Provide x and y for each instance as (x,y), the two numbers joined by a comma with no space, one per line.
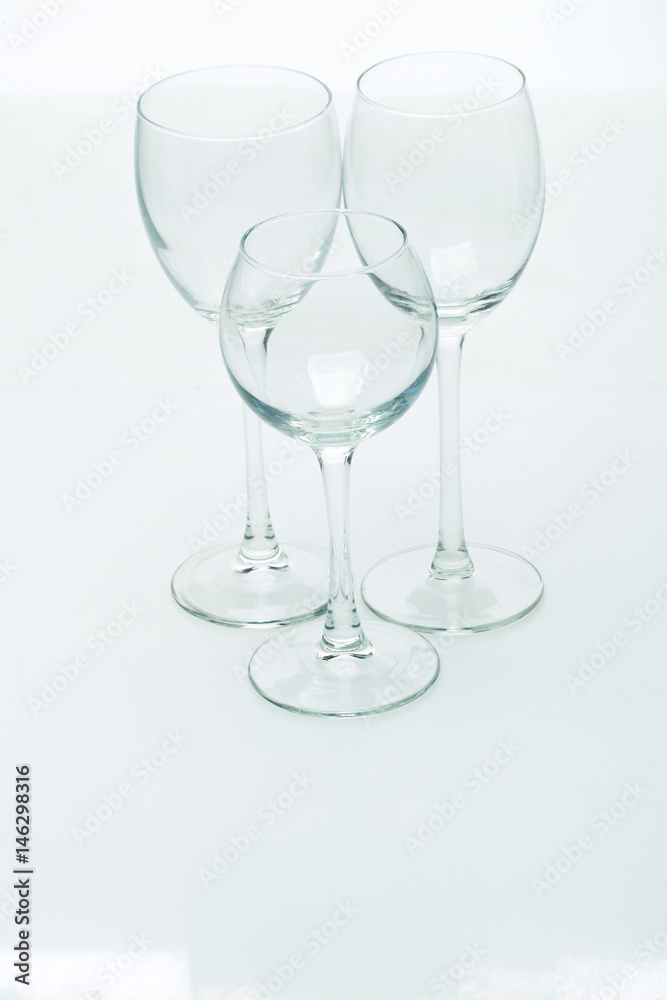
(216,150)
(328,330)
(446,143)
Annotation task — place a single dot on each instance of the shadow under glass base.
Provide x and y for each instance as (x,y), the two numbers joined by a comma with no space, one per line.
(402,666)
(209,585)
(503,588)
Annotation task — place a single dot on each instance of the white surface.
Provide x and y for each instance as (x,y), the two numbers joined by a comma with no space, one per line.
(373,782)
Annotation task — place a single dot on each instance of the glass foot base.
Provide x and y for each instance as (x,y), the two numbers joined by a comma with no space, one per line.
(402,666)
(209,585)
(503,588)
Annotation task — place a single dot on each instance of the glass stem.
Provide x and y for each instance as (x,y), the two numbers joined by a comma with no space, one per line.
(342,629)
(451,560)
(259,548)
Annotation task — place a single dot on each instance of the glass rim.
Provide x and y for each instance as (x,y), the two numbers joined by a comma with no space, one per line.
(319,276)
(234,66)
(440,114)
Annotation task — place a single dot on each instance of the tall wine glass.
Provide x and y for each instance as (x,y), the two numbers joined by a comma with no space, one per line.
(217,150)
(446,143)
(329,330)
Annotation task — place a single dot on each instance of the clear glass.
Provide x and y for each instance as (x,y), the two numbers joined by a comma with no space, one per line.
(216,151)
(329,331)
(446,144)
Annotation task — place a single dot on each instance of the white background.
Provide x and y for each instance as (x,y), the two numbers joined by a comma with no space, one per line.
(374,783)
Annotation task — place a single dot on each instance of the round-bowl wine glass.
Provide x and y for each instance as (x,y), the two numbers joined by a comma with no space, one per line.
(446,144)
(216,150)
(312,303)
